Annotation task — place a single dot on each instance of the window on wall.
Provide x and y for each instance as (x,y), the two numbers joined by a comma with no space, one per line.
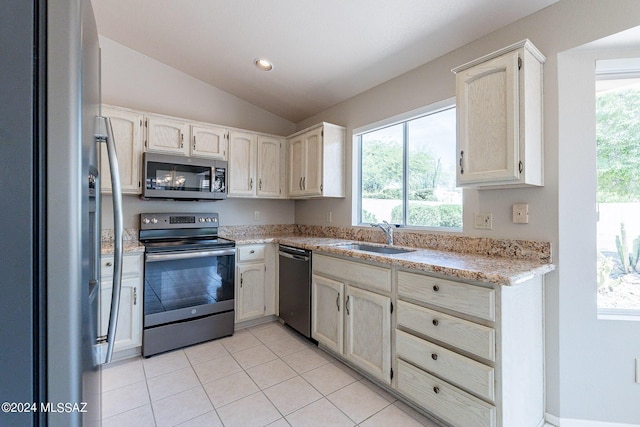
(408,174)
(618,188)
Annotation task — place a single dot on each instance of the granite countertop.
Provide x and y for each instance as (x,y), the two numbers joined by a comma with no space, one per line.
(489,269)
(129,246)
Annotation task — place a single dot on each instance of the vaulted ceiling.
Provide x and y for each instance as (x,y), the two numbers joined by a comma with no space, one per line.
(323,51)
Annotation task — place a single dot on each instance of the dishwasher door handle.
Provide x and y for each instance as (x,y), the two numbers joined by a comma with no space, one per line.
(292,256)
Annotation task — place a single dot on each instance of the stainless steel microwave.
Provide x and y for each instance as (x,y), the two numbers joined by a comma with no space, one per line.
(184,178)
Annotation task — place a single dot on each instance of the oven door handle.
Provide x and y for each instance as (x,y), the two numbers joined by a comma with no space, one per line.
(172,256)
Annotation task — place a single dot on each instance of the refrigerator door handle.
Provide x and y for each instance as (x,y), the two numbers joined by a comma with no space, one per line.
(105,134)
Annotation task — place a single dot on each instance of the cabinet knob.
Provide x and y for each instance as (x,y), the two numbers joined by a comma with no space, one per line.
(436,288)
(434,356)
(109,264)
(435,322)
(252,251)
(436,389)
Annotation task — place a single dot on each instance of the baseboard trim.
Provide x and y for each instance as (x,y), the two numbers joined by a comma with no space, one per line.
(569,422)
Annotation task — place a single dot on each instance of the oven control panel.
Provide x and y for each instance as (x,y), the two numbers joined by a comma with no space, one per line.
(163,221)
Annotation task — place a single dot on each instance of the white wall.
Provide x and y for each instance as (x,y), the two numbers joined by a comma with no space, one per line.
(580,382)
(133,80)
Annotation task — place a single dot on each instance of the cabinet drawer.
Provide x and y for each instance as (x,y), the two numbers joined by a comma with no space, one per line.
(131,266)
(465,335)
(444,400)
(250,253)
(455,368)
(462,297)
(371,276)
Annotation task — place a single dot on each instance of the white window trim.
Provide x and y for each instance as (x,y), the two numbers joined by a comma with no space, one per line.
(434,108)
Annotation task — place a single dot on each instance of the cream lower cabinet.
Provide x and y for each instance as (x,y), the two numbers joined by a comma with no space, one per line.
(129,328)
(255,282)
(470,354)
(351,313)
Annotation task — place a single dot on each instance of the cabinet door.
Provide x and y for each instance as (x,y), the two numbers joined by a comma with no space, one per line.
(368,332)
(165,135)
(269,167)
(326,312)
(312,179)
(127,132)
(488,121)
(297,165)
(129,328)
(209,141)
(242,164)
(250,295)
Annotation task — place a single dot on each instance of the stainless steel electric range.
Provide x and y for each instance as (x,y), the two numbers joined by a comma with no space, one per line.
(188,281)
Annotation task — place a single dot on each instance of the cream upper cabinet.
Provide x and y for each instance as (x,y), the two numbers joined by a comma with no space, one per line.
(243,158)
(270,167)
(128,133)
(208,141)
(316,162)
(499,114)
(256,165)
(166,135)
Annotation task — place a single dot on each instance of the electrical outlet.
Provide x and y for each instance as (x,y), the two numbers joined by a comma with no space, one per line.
(521,213)
(256,215)
(329,217)
(484,221)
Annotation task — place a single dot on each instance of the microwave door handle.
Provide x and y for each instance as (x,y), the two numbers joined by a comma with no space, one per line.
(118,235)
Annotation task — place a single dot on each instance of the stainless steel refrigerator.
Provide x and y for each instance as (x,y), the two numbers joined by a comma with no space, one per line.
(50,136)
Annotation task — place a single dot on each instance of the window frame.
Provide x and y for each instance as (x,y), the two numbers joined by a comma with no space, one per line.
(403,119)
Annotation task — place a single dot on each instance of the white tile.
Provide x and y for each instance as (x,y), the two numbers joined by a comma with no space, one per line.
(382,392)
(280,423)
(139,417)
(287,345)
(254,410)
(230,388)
(320,414)
(165,363)
(124,399)
(271,373)
(357,401)
(270,332)
(216,369)
(181,407)
(292,395)
(422,420)
(209,419)
(205,351)
(391,416)
(338,364)
(239,341)
(254,356)
(122,373)
(174,382)
(305,360)
(328,378)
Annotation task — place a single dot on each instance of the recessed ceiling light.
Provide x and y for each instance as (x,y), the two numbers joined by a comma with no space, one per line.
(263,64)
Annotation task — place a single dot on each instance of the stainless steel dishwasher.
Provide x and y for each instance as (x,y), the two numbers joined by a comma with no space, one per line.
(295,288)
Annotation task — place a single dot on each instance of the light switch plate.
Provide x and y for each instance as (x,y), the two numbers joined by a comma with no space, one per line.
(521,213)
(484,221)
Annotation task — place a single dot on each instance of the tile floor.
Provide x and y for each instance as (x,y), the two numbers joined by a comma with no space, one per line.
(263,375)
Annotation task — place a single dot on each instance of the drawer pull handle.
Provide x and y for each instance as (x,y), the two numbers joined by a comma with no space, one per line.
(252,251)
(436,288)
(109,264)
(435,322)
(434,356)
(436,390)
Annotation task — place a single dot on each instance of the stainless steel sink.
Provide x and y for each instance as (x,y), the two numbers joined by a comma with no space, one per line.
(372,248)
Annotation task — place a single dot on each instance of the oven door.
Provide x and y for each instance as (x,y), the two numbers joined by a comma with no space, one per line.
(185,285)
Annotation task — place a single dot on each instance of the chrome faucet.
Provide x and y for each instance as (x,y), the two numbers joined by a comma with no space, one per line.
(387,229)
